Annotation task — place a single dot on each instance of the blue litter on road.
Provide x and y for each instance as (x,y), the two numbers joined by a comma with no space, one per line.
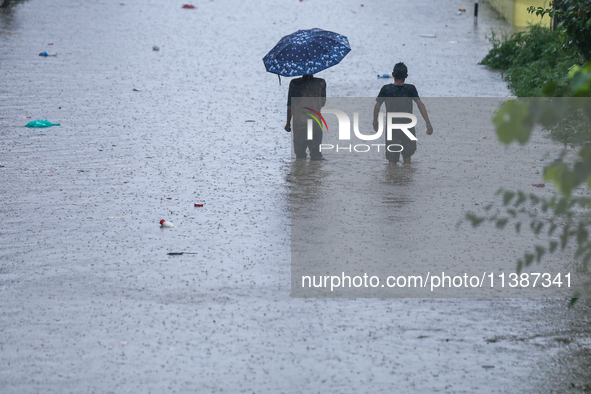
(41,123)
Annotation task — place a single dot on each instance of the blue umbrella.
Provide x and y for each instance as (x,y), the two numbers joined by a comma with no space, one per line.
(306,52)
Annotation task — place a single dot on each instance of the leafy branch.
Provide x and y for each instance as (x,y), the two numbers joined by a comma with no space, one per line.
(564,218)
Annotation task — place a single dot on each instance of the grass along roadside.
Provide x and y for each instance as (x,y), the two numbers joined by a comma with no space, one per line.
(531,59)
(536,63)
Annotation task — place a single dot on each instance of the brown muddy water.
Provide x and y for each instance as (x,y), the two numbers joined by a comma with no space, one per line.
(90,300)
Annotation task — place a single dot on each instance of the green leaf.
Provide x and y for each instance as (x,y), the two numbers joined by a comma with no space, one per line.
(507,197)
(536,226)
(521,197)
(580,80)
(582,234)
(539,253)
(564,237)
(560,207)
(475,220)
(501,223)
(550,88)
(534,199)
(586,262)
(511,122)
(564,179)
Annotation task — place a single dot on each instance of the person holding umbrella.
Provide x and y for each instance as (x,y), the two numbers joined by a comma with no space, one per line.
(306,52)
(306,86)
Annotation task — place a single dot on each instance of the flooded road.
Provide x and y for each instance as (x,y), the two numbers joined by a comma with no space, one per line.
(90,300)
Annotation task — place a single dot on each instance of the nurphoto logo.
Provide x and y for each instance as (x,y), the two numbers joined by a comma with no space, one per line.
(393,120)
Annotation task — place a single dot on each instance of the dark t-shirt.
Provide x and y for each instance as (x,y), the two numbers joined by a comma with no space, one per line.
(398,98)
(307,87)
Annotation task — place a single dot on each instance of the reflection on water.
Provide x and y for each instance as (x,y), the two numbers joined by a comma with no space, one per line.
(8,24)
(355,189)
(350,214)
(399,175)
(306,179)
(396,184)
(354,212)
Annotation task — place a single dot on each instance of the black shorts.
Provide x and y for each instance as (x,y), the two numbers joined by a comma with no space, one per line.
(409,147)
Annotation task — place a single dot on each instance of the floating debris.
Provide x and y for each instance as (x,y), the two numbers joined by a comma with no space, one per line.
(165,224)
(41,123)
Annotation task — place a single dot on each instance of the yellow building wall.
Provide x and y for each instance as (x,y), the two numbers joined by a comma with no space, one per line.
(515,12)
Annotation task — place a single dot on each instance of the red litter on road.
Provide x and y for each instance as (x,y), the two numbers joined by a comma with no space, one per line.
(164,223)
(538,185)
(198,205)
(189,6)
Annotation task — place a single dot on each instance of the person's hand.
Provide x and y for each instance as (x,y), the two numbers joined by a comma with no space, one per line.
(375,125)
(429,130)
(288,127)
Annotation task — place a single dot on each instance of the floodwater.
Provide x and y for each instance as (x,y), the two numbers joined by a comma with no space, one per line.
(357,215)
(90,300)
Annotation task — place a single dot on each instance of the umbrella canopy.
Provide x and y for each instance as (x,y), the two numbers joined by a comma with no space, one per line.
(306,52)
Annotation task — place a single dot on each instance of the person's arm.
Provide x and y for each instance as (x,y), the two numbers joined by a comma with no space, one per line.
(288,124)
(376,112)
(423,111)
(289,92)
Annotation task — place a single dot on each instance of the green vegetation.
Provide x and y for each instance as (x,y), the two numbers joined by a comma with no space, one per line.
(534,61)
(574,19)
(573,129)
(565,218)
(542,62)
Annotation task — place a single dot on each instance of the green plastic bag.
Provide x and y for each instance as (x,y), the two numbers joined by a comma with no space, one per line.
(41,123)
